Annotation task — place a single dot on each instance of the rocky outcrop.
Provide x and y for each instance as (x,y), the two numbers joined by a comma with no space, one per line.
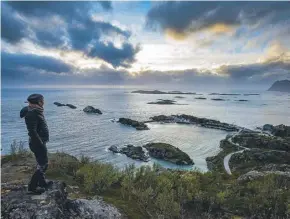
(137,125)
(136,153)
(58,104)
(218,99)
(61,104)
(160,92)
(282,86)
(242,100)
(71,106)
(200,98)
(187,119)
(168,153)
(54,203)
(179,97)
(163,102)
(90,109)
(224,94)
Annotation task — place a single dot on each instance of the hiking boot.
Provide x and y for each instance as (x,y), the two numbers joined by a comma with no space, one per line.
(36,191)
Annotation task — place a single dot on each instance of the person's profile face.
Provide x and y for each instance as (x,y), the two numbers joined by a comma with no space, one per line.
(41,103)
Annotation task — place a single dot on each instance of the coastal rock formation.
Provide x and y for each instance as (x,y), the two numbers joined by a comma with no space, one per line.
(136,153)
(54,203)
(163,102)
(61,104)
(224,94)
(282,86)
(179,97)
(58,104)
(71,106)
(160,92)
(133,123)
(90,109)
(218,99)
(200,98)
(187,119)
(168,153)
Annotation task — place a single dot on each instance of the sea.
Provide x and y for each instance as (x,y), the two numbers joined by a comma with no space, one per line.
(77,133)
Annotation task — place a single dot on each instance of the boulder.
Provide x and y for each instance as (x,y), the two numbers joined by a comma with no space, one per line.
(90,109)
(54,203)
(168,153)
(114,149)
(137,125)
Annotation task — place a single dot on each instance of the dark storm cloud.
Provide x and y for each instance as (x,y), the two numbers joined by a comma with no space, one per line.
(256,71)
(14,65)
(12,28)
(75,29)
(185,17)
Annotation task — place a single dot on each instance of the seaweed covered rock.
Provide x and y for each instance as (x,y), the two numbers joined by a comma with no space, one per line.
(168,153)
(137,125)
(91,109)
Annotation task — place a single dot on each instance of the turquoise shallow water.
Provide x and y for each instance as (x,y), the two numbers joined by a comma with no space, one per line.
(77,133)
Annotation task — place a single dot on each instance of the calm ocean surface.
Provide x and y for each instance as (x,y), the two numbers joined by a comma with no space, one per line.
(75,132)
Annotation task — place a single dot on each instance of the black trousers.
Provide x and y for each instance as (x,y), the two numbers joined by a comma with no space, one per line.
(38,178)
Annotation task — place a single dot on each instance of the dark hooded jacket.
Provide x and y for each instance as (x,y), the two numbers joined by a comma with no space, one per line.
(36,124)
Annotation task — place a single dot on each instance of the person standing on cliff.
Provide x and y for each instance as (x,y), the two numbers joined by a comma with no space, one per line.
(38,137)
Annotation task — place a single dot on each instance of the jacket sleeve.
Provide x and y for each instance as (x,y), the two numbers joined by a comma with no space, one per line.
(31,122)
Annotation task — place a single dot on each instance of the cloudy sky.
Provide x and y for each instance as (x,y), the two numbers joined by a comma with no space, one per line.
(128,43)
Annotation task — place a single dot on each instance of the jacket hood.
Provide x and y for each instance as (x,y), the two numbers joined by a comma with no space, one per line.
(26,109)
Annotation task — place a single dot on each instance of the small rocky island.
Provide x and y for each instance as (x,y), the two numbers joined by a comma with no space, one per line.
(282,86)
(160,151)
(165,102)
(203,122)
(68,105)
(160,92)
(168,153)
(137,125)
(91,109)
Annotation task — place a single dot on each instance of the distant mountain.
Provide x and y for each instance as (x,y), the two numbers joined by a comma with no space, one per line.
(282,86)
